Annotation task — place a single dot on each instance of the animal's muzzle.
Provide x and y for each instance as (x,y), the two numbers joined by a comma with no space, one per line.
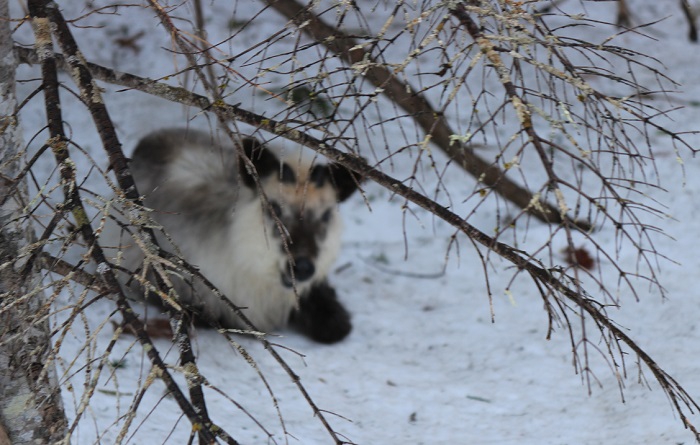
(300,268)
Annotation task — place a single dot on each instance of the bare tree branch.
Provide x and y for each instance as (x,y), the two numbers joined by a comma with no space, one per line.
(431,121)
(535,98)
(42,13)
(551,285)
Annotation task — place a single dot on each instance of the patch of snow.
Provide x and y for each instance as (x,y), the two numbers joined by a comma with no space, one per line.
(425,363)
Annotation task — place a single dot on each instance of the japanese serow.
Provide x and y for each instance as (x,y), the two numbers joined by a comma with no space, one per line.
(271,257)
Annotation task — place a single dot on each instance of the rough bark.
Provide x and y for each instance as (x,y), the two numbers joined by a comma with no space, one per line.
(31,409)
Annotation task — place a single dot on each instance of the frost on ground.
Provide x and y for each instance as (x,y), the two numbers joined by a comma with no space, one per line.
(431,358)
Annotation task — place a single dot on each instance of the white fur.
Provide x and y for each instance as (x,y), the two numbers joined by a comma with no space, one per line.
(228,237)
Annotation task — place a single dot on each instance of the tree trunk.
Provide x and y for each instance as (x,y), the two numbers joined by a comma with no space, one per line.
(31,410)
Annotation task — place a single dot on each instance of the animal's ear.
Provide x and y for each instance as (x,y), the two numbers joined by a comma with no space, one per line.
(265,162)
(344,181)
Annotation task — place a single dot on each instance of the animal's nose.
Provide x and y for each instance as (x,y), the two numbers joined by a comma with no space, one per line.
(303,268)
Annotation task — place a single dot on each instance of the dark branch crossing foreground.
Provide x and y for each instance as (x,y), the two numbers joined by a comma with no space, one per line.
(512,105)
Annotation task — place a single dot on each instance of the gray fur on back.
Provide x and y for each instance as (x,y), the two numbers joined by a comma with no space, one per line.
(219,225)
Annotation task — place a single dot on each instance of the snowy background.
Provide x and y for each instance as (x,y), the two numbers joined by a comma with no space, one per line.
(425,363)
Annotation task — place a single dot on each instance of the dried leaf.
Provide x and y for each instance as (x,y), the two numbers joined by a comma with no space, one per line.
(155,328)
(579,257)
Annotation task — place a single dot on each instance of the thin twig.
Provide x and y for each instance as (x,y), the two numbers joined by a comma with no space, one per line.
(43,13)
(417,106)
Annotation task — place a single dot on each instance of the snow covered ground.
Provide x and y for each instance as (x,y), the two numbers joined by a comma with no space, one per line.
(425,363)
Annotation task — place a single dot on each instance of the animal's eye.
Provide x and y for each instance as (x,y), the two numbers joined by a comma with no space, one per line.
(326,217)
(318,175)
(275,209)
(288,176)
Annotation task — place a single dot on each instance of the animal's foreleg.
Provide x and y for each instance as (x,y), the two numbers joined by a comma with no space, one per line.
(321,316)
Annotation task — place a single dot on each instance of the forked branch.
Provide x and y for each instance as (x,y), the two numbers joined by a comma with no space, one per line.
(550,284)
(44,15)
(415,104)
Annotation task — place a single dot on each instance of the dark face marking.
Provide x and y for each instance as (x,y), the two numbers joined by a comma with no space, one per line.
(304,231)
(288,176)
(344,181)
(326,216)
(301,205)
(319,174)
(264,161)
(275,209)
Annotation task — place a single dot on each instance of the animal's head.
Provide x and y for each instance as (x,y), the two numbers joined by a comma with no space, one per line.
(301,215)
